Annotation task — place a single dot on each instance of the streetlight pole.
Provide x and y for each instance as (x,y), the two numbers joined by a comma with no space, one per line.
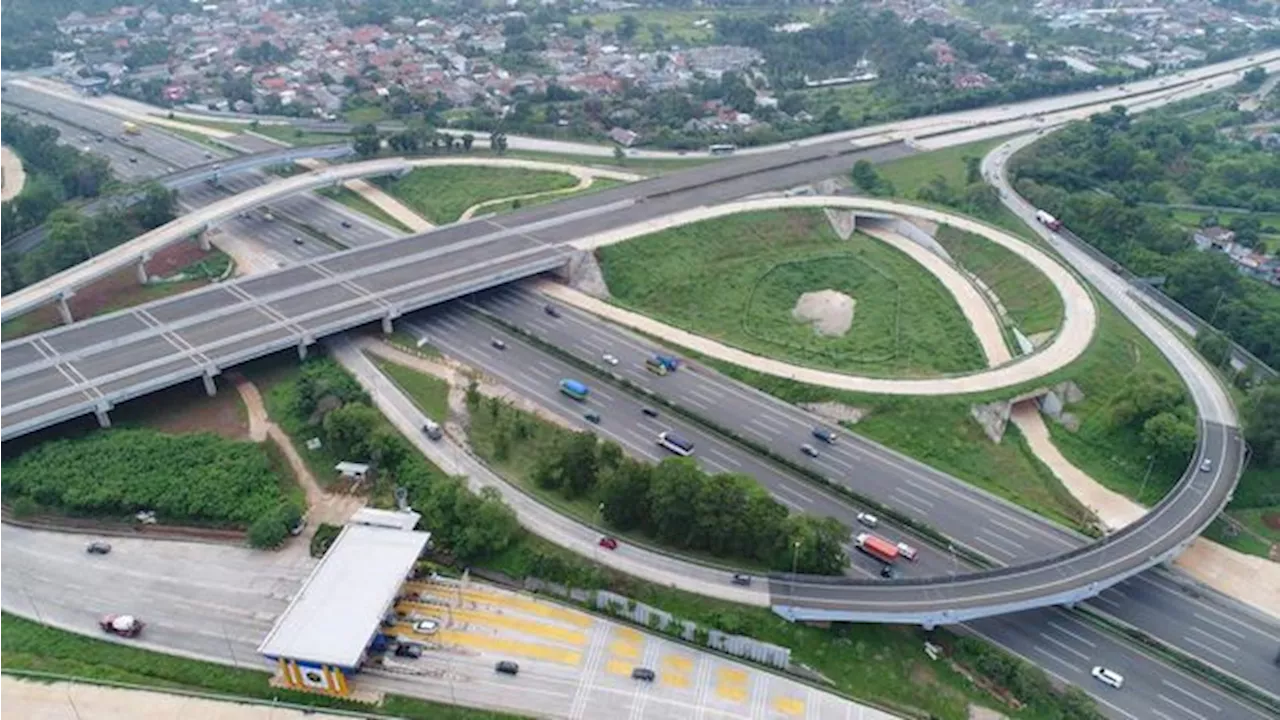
(1151,463)
(795,558)
(955,564)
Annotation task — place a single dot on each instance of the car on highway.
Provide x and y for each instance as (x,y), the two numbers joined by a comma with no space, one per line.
(609,543)
(1206,466)
(551,310)
(609,359)
(643,673)
(121,625)
(649,411)
(426,627)
(409,650)
(809,450)
(506,667)
(346,224)
(297,239)
(868,519)
(592,416)
(498,344)
(133,160)
(887,572)
(741,579)
(98,547)
(908,551)
(824,435)
(1107,677)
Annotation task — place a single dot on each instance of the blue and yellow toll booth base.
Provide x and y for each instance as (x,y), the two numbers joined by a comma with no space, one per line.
(326,679)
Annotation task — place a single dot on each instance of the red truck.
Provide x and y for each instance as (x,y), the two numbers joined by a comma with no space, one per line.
(876,547)
(1048,220)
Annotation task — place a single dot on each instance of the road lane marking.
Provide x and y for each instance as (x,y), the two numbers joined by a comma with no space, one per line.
(761,419)
(1065,646)
(1065,631)
(998,550)
(1197,698)
(1181,707)
(1214,638)
(902,501)
(1218,625)
(790,706)
(721,456)
(799,496)
(731,684)
(1051,656)
(835,461)
(1208,649)
(997,523)
(788,503)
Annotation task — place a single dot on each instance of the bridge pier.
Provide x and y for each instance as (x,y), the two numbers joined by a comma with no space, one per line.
(142,268)
(104,420)
(203,238)
(302,347)
(210,387)
(64,309)
(387,320)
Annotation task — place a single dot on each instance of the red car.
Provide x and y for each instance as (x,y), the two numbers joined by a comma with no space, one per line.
(123,625)
(609,543)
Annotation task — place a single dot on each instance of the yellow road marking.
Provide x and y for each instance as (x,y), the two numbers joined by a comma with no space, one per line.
(627,634)
(481,595)
(675,671)
(618,667)
(677,663)
(731,684)
(789,706)
(624,650)
(493,619)
(510,647)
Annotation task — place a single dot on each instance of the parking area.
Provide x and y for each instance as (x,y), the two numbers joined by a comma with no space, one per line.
(582,666)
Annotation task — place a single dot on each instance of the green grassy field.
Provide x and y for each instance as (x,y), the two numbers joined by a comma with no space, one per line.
(1028,296)
(442,194)
(736,279)
(498,208)
(356,202)
(681,27)
(640,166)
(297,136)
(429,393)
(367,114)
(25,645)
(911,173)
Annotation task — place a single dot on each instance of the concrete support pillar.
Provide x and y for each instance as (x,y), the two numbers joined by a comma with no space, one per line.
(104,420)
(64,309)
(142,269)
(387,327)
(928,626)
(302,350)
(203,238)
(210,387)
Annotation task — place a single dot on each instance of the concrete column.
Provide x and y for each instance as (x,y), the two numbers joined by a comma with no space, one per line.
(302,350)
(142,269)
(210,386)
(205,245)
(104,420)
(387,327)
(928,626)
(64,309)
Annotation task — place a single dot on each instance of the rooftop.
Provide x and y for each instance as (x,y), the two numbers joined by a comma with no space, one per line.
(333,617)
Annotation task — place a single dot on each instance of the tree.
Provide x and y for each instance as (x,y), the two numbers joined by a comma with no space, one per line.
(1214,346)
(367,142)
(348,430)
(267,532)
(1262,424)
(869,180)
(579,464)
(820,549)
(619,155)
(498,142)
(1254,77)
(467,140)
(673,492)
(627,27)
(624,492)
(156,207)
(1144,397)
(1171,437)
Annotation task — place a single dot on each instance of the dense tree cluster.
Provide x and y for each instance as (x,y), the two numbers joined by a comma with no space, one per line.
(1107,179)
(325,401)
(674,502)
(1157,408)
(195,478)
(1262,428)
(56,173)
(71,237)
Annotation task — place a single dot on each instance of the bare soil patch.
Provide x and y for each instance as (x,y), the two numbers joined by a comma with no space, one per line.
(830,312)
(187,409)
(1271,520)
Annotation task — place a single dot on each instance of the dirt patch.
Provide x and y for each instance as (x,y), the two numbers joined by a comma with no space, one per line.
(12,176)
(187,409)
(838,412)
(830,312)
(1271,520)
(977,712)
(175,257)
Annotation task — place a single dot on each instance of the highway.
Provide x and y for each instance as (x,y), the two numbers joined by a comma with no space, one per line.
(1165,605)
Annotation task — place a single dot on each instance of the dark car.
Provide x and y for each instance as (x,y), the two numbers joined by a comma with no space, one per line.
(609,543)
(409,650)
(98,547)
(297,240)
(592,417)
(741,579)
(644,674)
(824,435)
(887,572)
(346,224)
(507,667)
(498,344)
(551,310)
(649,411)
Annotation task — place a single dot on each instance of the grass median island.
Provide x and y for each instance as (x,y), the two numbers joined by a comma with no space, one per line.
(737,279)
(25,645)
(357,202)
(1032,302)
(194,479)
(441,194)
(430,394)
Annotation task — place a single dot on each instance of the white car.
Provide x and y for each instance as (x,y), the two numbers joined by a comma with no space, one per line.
(426,627)
(1108,677)
(610,359)
(868,519)
(1206,466)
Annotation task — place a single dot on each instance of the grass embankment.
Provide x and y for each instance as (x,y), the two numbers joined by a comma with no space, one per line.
(497,208)
(25,645)
(640,166)
(1031,301)
(442,194)
(737,279)
(430,394)
(356,201)
(911,173)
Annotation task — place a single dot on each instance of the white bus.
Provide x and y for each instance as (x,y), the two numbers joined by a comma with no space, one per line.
(675,444)
(724,149)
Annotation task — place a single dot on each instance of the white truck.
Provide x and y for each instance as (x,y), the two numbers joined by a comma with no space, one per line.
(1048,220)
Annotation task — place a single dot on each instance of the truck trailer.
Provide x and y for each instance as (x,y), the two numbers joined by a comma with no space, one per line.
(1048,220)
(876,547)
